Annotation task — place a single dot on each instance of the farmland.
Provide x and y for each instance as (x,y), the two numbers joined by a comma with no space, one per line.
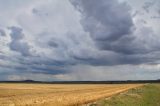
(148,95)
(12,94)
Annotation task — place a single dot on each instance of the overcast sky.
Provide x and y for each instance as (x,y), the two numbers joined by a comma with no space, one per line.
(79,39)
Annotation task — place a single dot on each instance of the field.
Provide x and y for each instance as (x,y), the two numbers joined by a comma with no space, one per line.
(148,95)
(57,94)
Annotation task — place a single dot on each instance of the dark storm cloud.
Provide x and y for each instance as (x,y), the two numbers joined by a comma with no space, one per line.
(2,32)
(35,65)
(17,44)
(16,33)
(148,5)
(112,59)
(111,27)
(158,11)
(21,47)
(48,66)
(53,43)
(105,20)
(108,22)
(48,70)
(77,39)
(39,12)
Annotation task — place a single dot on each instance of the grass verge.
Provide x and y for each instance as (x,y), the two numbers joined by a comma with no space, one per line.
(148,95)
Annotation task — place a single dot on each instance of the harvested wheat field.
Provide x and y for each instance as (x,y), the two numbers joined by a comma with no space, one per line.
(57,94)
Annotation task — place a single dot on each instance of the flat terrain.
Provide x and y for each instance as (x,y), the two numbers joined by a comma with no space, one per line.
(57,94)
(148,95)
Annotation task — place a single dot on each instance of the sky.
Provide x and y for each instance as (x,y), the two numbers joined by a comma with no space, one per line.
(79,40)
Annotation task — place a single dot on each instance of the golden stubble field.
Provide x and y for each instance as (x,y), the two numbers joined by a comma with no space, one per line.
(57,94)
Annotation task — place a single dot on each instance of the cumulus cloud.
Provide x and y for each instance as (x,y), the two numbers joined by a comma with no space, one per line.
(158,11)
(2,32)
(62,40)
(106,21)
(111,26)
(109,23)
(148,5)
(17,44)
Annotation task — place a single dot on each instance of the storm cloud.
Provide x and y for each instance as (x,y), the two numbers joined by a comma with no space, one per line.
(63,40)
(2,32)
(148,5)
(109,23)
(111,26)
(17,44)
